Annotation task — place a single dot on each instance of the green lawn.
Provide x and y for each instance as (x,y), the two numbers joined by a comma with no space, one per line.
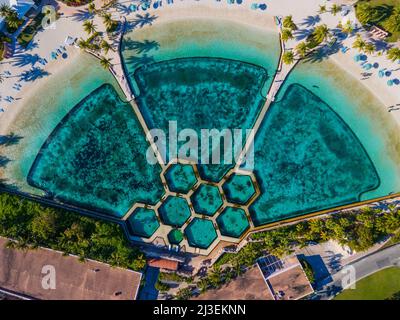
(386,6)
(378,286)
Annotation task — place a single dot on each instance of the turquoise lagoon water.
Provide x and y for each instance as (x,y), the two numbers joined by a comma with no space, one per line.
(96,157)
(307,159)
(191,74)
(44,109)
(337,108)
(201,93)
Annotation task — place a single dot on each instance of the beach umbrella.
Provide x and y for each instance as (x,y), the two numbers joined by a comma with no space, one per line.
(390,83)
(381,73)
(368,66)
(357,57)
(396,81)
(263,6)
(254,6)
(239,1)
(388,73)
(376,65)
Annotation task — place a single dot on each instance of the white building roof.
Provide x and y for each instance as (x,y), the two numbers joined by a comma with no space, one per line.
(22,6)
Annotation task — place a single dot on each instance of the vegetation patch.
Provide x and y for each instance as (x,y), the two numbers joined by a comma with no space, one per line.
(33,225)
(358,230)
(382,285)
(382,13)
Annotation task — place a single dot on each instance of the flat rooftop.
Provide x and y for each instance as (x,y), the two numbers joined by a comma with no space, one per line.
(21,272)
(290,284)
(249,286)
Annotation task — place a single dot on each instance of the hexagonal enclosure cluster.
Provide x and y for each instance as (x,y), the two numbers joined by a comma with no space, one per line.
(239,189)
(143,222)
(174,211)
(206,200)
(233,222)
(195,214)
(180,178)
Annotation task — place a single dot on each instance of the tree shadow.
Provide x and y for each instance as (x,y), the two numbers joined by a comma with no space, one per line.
(303,34)
(123,9)
(22,60)
(34,74)
(380,45)
(323,53)
(142,20)
(138,61)
(141,47)
(4,161)
(9,140)
(311,21)
(82,15)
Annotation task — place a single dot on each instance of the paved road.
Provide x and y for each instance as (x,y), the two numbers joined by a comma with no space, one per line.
(363,267)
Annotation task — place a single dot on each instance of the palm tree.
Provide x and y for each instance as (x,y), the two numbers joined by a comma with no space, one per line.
(89,27)
(335,9)
(108,22)
(288,23)
(288,57)
(13,22)
(301,49)
(106,46)
(365,12)
(5,10)
(347,27)
(105,62)
(322,9)
(83,44)
(202,285)
(321,33)
(359,44)
(286,35)
(392,24)
(394,54)
(369,48)
(92,8)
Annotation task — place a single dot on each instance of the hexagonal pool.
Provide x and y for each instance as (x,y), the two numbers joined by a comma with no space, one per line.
(143,222)
(200,233)
(233,222)
(174,211)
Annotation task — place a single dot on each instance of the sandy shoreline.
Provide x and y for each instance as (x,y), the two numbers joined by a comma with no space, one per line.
(29,89)
(186,10)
